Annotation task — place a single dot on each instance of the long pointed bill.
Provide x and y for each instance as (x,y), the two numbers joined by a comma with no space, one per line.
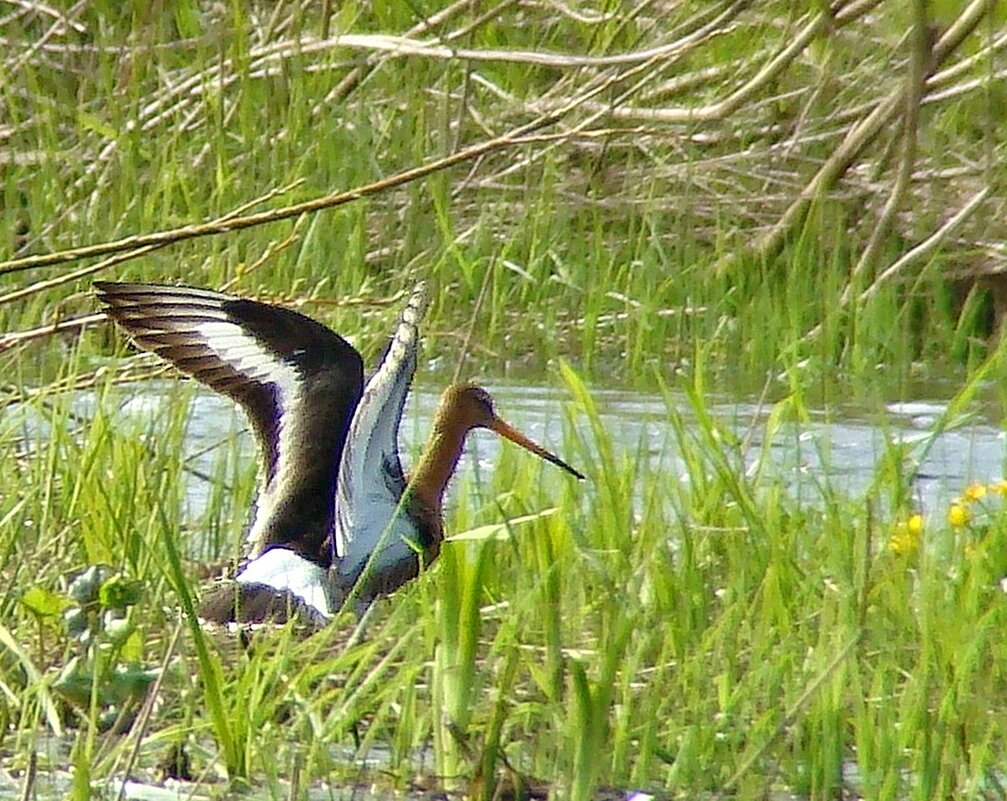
(498,426)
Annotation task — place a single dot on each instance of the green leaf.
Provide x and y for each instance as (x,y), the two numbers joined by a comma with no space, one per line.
(132,649)
(92,123)
(119,592)
(74,682)
(40,601)
(126,683)
(497,531)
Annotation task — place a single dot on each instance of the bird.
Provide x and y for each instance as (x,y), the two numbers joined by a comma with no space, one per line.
(337,519)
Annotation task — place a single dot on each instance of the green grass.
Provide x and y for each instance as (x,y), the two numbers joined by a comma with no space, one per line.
(697,632)
(703,632)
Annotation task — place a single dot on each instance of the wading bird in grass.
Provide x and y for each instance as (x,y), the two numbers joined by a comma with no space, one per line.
(336,518)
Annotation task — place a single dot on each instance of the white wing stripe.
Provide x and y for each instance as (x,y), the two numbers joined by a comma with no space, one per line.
(246,355)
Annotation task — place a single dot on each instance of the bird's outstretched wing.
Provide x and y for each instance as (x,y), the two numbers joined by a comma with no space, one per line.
(298,381)
(371,483)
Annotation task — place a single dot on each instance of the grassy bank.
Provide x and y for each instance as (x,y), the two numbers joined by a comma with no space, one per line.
(694,633)
(689,202)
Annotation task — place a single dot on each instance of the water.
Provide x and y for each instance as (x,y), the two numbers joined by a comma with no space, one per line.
(840,450)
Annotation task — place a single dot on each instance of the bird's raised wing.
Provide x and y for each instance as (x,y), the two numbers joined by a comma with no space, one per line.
(298,381)
(370,482)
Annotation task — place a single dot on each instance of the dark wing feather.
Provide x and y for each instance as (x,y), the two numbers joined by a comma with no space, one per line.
(298,381)
(279,585)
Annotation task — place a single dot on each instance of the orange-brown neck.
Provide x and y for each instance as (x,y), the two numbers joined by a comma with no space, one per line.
(437,464)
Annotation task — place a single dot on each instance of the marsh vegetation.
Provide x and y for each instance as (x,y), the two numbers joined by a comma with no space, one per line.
(800,203)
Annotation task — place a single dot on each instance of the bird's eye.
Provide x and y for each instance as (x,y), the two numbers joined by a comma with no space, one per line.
(482,397)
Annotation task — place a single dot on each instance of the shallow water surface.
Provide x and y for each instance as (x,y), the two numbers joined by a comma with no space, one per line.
(836,450)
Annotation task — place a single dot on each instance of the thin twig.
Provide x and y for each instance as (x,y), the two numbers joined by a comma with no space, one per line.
(915,80)
(226,225)
(928,245)
(83,272)
(74,324)
(467,340)
(859,137)
(142,722)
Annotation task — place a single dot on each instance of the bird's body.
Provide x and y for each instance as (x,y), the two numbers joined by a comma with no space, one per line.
(336,517)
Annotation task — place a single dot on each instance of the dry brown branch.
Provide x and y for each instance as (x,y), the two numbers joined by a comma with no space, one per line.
(358,73)
(855,9)
(234,223)
(915,82)
(231,223)
(182,94)
(58,27)
(128,372)
(957,90)
(649,71)
(813,113)
(63,20)
(859,137)
(729,105)
(928,245)
(74,325)
(21,337)
(265,59)
(400,46)
(83,272)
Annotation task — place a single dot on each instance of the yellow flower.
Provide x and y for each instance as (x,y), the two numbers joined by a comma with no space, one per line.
(906,537)
(958,514)
(999,487)
(903,543)
(975,492)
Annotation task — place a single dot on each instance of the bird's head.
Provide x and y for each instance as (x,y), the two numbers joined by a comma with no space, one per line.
(471,407)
